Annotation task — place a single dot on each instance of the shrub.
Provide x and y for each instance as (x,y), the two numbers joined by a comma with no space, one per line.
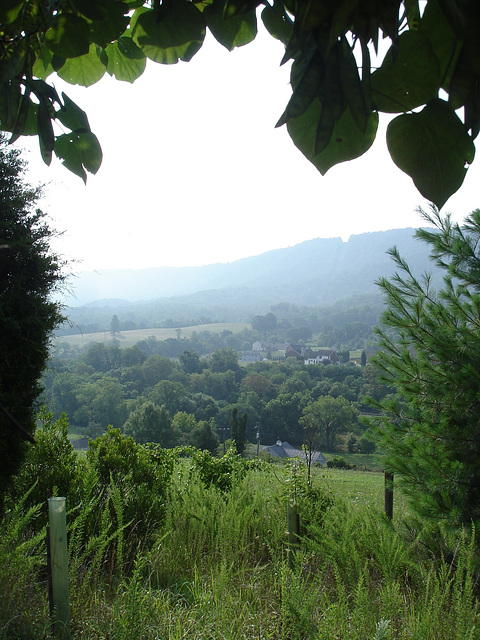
(219,472)
(339,463)
(49,468)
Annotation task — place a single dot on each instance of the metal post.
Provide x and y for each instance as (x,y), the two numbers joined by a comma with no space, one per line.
(57,539)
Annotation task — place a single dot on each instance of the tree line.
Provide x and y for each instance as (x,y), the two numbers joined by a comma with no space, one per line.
(189,400)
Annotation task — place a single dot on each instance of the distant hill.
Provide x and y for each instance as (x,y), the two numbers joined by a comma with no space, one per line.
(317,272)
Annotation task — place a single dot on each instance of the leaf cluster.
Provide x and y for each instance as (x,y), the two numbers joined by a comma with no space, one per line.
(332,115)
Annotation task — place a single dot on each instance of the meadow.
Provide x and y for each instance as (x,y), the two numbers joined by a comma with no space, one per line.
(215,562)
(130,338)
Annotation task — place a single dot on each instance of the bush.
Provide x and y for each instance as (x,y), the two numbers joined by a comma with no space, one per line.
(339,463)
(130,490)
(219,472)
(50,466)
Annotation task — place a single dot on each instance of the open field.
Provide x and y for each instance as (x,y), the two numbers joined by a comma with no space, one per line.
(130,338)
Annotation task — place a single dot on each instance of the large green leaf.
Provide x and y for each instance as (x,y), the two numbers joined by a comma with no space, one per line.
(235,31)
(173,32)
(409,76)
(277,22)
(22,117)
(352,88)
(10,97)
(42,67)
(13,58)
(346,142)
(445,45)
(84,70)
(71,116)
(69,37)
(80,152)
(110,23)
(9,10)
(306,77)
(46,137)
(125,60)
(433,148)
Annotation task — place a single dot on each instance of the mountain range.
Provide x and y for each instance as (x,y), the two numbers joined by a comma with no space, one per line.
(316,272)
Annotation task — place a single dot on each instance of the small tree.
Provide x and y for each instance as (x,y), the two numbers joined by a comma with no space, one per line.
(29,274)
(431,431)
(150,423)
(323,419)
(114,325)
(204,436)
(239,428)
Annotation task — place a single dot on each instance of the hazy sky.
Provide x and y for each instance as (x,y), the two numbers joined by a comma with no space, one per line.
(194,171)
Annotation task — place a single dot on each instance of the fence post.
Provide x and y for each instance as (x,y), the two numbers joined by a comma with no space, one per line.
(58,562)
(388,500)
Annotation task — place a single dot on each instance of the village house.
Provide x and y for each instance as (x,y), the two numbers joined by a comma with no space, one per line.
(251,356)
(286,450)
(320,356)
(293,351)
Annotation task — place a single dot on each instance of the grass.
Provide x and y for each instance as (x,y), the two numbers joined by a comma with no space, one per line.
(130,338)
(218,569)
(363,461)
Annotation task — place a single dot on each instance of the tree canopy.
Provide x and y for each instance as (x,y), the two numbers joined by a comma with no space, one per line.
(429,76)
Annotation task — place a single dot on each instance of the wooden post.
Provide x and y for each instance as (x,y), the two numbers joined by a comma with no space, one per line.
(293,521)
(388,505)
(58,561)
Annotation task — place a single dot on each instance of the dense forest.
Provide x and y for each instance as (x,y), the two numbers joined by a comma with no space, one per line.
(165,392)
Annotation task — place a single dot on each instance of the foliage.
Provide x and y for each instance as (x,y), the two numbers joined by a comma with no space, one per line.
(29,274)
(203,436)
(313,499)
(332,115)
(22,594)
(355,574)
(139,476)
(337,462)
(430,432)
(222,472)
(50,467)
(149,423)
(325,418)
(272,394)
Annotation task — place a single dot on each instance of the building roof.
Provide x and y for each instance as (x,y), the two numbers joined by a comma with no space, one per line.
(286,450)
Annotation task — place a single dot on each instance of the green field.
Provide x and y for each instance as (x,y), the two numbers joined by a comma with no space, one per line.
(130,338)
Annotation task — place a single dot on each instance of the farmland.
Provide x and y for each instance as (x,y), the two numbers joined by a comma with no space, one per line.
(128,339)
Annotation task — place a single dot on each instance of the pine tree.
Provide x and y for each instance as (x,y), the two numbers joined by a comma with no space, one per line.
(29,274)
(431,431)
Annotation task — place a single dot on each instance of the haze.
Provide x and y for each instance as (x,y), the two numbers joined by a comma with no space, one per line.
(195,173)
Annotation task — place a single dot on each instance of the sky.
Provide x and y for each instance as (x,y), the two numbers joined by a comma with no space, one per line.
(194,171)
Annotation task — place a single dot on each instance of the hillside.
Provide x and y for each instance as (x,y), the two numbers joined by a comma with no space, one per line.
(315,272)
(321,273)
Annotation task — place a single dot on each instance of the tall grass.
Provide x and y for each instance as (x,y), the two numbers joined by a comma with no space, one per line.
(23,587)
(217,567)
